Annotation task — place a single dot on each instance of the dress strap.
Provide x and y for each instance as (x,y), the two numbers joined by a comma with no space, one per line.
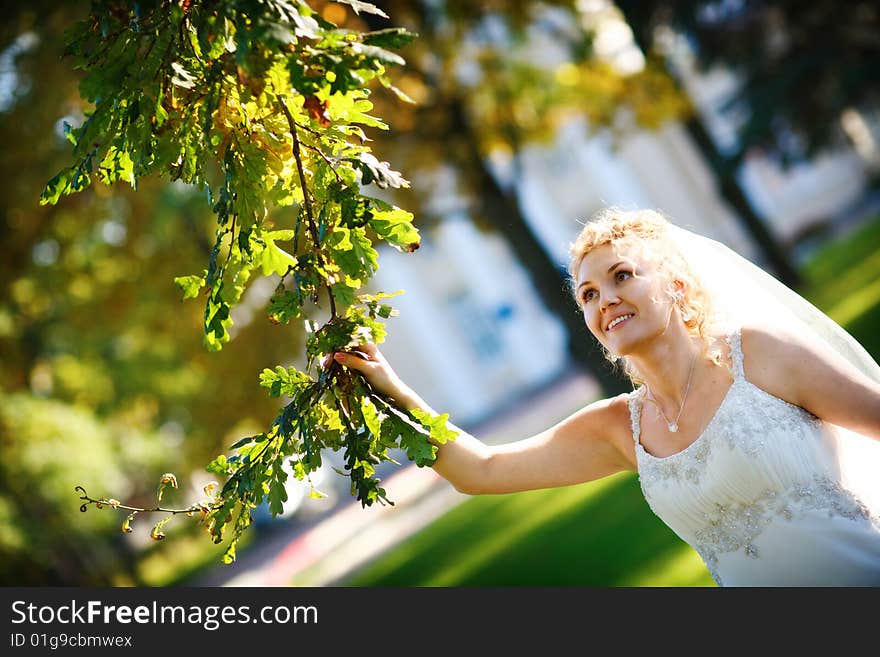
(635,410)
(734,339)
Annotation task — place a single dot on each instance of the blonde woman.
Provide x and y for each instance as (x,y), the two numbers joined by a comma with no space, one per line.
(735,422)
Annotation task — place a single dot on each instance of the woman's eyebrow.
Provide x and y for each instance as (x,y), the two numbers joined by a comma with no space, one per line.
(610,269)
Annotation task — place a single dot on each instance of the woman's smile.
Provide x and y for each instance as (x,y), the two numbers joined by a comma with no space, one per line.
(618,322)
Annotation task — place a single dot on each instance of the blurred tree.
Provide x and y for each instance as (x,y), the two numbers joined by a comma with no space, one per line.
(802,66)
(92,327)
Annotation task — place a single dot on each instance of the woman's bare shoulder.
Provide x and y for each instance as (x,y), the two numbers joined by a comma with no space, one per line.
(613,410)
(605,419)
(766,350)
(612,422)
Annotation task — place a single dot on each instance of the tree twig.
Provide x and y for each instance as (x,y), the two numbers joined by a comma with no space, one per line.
(313,229)
(116,505)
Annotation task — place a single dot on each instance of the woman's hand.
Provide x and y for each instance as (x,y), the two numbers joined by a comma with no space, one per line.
(370,362)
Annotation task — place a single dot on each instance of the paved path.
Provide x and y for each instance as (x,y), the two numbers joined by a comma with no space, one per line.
(324,549)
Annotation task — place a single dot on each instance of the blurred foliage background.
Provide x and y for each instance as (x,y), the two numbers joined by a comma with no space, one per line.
(105,381)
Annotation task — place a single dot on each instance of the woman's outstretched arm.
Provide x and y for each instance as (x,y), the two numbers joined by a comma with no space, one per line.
(588,445)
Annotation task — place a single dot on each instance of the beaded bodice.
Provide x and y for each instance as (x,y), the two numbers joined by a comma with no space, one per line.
(763,475)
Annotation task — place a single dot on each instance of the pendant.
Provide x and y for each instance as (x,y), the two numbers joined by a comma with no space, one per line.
(673,427)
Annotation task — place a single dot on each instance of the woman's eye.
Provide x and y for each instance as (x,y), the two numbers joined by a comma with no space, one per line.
(588,296)
(622,275)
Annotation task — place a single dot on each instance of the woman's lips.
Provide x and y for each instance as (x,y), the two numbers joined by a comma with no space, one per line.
(620,323)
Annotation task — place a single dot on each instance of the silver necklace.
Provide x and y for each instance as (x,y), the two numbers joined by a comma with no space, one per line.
(673,426)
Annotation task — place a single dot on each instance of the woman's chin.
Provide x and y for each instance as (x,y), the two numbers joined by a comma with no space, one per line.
(622,348)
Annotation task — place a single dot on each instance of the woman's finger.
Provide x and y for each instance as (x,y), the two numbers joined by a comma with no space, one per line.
(369,348)
(350,359)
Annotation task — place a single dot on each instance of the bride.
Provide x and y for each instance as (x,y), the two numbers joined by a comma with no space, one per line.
(745,396)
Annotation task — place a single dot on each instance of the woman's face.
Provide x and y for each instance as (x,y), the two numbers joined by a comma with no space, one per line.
(622,298)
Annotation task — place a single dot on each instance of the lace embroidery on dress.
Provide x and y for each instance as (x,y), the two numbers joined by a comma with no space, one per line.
(731,528)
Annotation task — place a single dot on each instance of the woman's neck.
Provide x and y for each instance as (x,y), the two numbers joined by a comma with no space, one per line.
(665,364)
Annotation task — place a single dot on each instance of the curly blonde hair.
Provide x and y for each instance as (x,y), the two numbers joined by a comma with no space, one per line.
(648,231)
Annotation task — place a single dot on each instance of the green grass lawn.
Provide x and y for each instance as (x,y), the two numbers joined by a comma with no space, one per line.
(843,279)
(603,534)
(596,534)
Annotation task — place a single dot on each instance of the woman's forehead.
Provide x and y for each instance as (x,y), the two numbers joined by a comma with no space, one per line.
(599,259)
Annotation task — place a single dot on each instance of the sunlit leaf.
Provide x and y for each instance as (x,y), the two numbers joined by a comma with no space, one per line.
(358,6)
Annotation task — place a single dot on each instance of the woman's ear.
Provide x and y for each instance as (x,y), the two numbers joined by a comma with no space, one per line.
(679,288)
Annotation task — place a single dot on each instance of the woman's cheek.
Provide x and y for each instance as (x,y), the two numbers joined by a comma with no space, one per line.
(592,322)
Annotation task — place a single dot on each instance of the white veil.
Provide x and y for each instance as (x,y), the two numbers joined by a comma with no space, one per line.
(746,293)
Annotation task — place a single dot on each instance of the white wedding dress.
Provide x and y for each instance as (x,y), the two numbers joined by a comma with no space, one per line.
(764,494)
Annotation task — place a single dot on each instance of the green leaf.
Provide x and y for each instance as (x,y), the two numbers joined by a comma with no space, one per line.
(353,252)
(299,471)
(438,425)
(392,37)
(68,181)
(284,305)
(371,417)
(220,466)
(416,444)
(395,227)
(217,319)
(245,441)
(190,285)
(352,108)
(281,381)
(345,293)
(229,555)
(277,489)
(274,259)
(377,53)
(116,165)
(70,133)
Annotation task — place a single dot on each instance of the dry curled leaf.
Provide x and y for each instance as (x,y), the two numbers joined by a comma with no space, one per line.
(126,524)
(167,478)
(318,110)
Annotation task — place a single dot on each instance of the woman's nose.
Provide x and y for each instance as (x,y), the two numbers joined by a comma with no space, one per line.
(607,299)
